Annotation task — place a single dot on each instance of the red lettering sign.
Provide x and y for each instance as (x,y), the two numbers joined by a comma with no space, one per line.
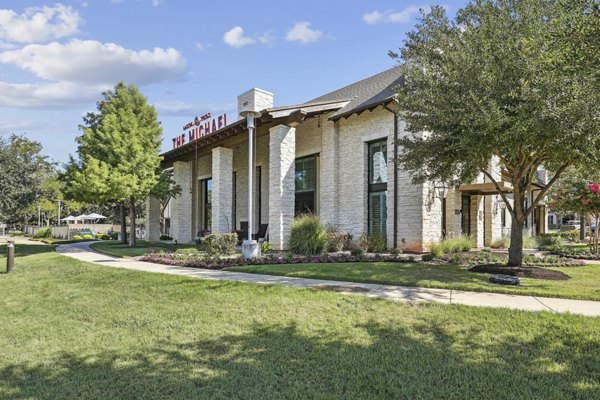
(199,127)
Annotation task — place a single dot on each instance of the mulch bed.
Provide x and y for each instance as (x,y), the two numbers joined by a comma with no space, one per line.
(521,272)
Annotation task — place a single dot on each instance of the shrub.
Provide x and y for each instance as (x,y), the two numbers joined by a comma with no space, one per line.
(530,242)
(396,251)
(501,243)
(219,243)
(266,247)
(114,235)
(102,236)
(337,241)
(308,236)
(43,233)
(427,257)
(452,245)
(188,252)
(356,252)
(77,237)
(436,249)
(372,243)
(549,241)
(571,235)
(87,236)
(165,237)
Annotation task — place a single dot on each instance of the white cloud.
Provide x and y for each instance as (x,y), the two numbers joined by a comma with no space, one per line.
(51,95)
(183,108)
(235,38)
(39,23)
(203,46)
(301,32)
(266,38)
(92,62)
(391,16)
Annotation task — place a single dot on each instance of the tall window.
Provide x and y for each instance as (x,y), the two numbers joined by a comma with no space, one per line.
(377,199)
(466,214)
(305,180)
(205,204)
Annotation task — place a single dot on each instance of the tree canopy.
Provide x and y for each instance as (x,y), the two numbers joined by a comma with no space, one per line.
(24,169)
(119,151)
(504,80)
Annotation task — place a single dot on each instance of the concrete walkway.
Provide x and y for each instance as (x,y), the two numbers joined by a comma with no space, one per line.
(81,251)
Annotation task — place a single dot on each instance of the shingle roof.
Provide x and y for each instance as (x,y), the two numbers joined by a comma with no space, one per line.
(366,93)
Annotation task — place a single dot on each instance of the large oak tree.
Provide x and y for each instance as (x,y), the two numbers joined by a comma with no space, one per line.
(512,80)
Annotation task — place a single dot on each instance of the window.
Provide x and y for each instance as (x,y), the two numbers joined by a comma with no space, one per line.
(466,214)
(206,204)
(377,197)
(305,181)
(234,201)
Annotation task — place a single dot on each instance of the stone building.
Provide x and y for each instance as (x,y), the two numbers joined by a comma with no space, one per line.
(331,156)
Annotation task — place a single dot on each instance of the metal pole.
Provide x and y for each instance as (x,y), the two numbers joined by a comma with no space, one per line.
(58,222)
(10,256)
(250,124)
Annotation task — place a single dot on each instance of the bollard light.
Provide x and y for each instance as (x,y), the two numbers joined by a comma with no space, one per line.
(10,256)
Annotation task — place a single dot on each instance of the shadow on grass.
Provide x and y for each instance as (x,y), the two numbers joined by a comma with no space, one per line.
(380,362)
(24,250)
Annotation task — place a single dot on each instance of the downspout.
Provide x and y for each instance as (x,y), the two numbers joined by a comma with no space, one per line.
(395,176)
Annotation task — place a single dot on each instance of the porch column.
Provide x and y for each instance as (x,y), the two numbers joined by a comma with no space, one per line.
(181,221)
(328,176)
(282,154)
(477,223)
(222,190)
(153,209)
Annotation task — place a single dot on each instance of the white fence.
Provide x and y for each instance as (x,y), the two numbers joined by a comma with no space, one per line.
(58,232)
(67,231)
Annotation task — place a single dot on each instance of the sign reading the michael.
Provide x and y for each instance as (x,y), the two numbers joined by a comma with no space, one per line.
(200,126)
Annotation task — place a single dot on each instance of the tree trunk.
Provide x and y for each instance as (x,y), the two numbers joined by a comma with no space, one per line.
(132,241)
(515,251)
(582,228)
(123,224)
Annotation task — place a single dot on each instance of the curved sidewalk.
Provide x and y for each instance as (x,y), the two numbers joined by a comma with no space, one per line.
(82,251)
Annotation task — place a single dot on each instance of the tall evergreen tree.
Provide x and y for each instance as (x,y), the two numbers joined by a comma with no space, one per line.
(119,152)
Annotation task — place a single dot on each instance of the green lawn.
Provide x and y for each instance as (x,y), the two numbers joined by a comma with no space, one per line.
(69,329)
(584,282)
(118,249)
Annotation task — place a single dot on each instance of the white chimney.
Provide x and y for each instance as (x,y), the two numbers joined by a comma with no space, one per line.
(254,101)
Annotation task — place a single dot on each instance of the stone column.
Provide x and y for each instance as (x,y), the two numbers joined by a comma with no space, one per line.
(328,176)
(222,190)
(282,154)
(181,221)
(153,209)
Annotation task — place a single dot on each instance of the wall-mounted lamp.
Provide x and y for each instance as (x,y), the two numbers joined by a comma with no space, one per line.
(441,191)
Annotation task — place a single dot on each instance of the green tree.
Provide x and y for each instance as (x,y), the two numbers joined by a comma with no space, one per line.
(119,152)
(502,80)
(578,192)
(23,169)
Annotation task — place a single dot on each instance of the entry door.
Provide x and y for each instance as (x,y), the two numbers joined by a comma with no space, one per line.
(466,214)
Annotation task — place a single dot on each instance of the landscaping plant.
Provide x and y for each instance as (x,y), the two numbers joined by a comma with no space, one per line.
(308,235)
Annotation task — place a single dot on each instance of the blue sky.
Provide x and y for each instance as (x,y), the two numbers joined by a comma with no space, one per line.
(187,57)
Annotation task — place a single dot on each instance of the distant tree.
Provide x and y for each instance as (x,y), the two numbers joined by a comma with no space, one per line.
(119,152)
(578,192)
(22,171)
(506,80)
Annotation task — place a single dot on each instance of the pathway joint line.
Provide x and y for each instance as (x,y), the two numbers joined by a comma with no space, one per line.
(545,305)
